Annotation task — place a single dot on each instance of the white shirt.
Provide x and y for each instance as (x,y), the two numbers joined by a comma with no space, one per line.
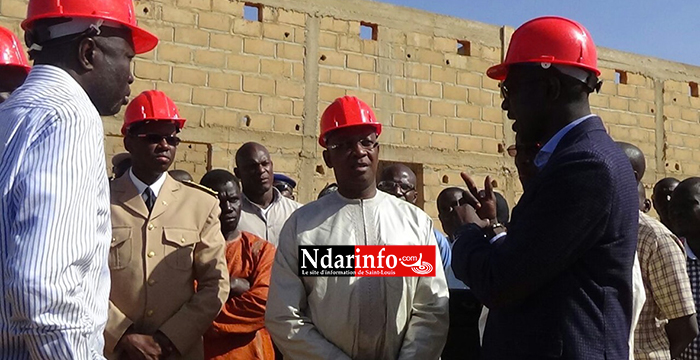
(141,186)
(55,226)
(342,318)
(266,223)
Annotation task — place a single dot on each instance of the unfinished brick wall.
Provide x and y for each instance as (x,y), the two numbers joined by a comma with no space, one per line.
(268,80)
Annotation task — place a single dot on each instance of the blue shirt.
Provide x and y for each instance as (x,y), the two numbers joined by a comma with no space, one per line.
(445,248)
(547,150)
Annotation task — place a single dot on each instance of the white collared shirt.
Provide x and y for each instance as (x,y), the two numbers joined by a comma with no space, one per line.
(55,227)
(266,223)
(141,186)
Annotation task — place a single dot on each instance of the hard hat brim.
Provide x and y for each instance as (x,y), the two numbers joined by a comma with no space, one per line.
(498,72)
(322,139)
(143,40)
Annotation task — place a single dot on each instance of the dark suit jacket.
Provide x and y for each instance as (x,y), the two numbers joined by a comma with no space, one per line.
(559,285)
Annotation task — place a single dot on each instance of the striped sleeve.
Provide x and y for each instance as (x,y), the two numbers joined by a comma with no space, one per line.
(51,242)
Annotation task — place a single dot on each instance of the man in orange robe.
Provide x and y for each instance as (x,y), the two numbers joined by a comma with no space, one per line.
(239,330)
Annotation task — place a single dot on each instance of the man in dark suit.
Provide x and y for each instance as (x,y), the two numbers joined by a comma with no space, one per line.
(559,284)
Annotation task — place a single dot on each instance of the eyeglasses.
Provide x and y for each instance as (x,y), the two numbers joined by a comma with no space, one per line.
(507,91)
(365,144)
(388,186)
(172,140)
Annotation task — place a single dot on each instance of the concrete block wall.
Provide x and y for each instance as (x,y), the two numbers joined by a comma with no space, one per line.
(269,79)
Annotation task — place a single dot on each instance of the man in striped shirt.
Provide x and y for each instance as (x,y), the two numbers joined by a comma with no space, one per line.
(55,227)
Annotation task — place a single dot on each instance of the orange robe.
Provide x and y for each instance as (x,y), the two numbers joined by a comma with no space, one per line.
(239,330)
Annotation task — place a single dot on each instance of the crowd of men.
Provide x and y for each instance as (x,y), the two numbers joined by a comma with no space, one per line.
(153,265)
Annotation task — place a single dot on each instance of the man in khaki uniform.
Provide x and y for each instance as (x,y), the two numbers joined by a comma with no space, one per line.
(166,240)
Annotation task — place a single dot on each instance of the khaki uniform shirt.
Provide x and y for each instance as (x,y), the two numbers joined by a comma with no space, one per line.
(155,260)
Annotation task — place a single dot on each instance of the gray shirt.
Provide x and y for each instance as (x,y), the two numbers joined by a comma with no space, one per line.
(266,223)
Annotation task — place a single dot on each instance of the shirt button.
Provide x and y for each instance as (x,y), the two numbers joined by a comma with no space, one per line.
(151,254)
(149,313)
(151,282)
(114,239)
(165,202)
(150,226)
(182,240)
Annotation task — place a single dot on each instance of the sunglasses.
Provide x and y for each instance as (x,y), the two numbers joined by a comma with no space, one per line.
(172,140)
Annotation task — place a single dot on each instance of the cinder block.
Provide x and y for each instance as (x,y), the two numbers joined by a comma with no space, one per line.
(458,126)
(429,89)
(290,89)
(225,81)
(243,101)
(173,52)
(405,121)
(148,70)
(469,79)
(442,108)
(248,28)
(419,40)
(349,43)
(443,141)
(365,96)
(417,71)
(258,85)
(193,114)
(221,117)
(453,92)
(416,138)
(261,122)
(638,106)
(164,32)
(344,77)
(428,56)
(234,8)
(214,21)
(431,123)
(243,63)
(290,51)
(647,122)
(13,8)
(480,97)
(445,45)
(626,91)
(229,42)
(275,105)
(210,58)
(288,125)
(467,111)
(479,128)
(275,67)
(177,15)
(361,62)
(467,143)
(195,4)
(618,103)
(298,108)
(259,47)
(327,40)
(443,74)
(291,17)
(491,114)
(177,92)
(335,25)
(370,81)
(189,76)
(278,31)
(191,36)
(208,97)
(416,106)
(330,93)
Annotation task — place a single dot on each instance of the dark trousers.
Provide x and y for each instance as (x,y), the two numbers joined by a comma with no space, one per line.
(463,336)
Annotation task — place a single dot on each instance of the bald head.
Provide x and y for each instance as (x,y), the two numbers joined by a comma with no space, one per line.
(636,157)
(254,169)
(447,200)
(661,196)
(399,180)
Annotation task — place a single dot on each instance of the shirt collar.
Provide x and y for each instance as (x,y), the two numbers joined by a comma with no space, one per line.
(141,186)
(43,72)
(547,150)
(276,197)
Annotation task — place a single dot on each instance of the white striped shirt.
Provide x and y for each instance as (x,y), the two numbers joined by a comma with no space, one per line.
(55,227)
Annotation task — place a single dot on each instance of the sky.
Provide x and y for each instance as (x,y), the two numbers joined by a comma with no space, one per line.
(665,29)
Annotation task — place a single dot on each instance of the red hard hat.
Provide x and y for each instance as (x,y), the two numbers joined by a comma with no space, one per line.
(151,105)
(549,39)
(344,112)
(11,52)
(119,11)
